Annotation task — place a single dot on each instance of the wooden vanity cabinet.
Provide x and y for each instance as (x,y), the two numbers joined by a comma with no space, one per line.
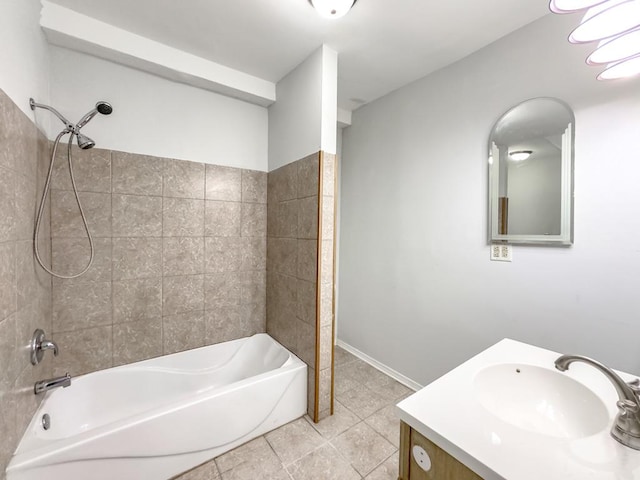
(443,465)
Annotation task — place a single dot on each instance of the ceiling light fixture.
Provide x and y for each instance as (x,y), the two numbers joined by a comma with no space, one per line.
(332,8)
(616,24)
(520,155)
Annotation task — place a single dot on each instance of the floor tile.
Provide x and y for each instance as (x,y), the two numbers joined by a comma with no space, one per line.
(387,424)
(363,447)
(323,463)
(387,471)
(362,401)
(341,420)
(294,440)
(207,471)
(341,356)
(256,452)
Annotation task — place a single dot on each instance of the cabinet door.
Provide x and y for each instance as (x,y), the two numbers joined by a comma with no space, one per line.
(443,465)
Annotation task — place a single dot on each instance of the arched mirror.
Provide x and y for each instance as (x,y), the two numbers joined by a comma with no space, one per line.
(531,174)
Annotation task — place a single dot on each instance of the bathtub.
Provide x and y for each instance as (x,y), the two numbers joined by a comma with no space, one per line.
(157,418)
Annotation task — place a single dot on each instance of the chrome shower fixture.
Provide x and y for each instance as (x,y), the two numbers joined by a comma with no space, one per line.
(84,143)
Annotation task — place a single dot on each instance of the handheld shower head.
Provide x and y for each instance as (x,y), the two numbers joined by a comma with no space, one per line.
(84,142)
(101,107)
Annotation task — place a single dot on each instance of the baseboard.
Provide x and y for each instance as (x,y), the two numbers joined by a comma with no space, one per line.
(407,382)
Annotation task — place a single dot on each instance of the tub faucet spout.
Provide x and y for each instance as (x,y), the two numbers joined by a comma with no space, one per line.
(51,383)
(626,426)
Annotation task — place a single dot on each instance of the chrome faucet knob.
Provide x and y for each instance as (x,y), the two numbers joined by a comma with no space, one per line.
(39,345)
(627,406)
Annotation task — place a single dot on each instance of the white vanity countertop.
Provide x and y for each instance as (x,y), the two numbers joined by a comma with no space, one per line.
(449,413)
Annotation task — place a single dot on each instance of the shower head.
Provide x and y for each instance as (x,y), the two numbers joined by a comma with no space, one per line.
(101,107)
(84,142)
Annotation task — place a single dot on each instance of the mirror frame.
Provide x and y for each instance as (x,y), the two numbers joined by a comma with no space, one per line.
(565,238)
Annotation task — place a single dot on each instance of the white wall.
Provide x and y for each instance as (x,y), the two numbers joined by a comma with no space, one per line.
(24,55)
(155,116)
(417,290)
(303,119)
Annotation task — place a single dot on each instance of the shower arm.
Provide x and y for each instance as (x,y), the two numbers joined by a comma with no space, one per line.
(70,127)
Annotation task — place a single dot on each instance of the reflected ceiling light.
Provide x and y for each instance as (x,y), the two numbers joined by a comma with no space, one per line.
(520,155)
(616,24)
(332,8)
(607,20)
(570,6)
(624,69)
(621,47)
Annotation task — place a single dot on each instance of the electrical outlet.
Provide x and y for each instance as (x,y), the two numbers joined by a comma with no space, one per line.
(501,252)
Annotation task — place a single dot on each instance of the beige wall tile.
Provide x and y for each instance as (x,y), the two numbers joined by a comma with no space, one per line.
(71,256)
(31,280)
(183,179)
(136,174)
(182,294)
(223,183)
(308,218)
(308,176)
(78,306)
(282,219)
(222,219)
(254,318)
(326,303)
(306,302)
(253,287)
(183,332)
(254,186)
(65,215)
(254,253)
(327,217)
(282,255)
(8,353)
(222,290)
(328,170)
(135,341)
(137,258)
(307,260)
(8,293)
(183,255)
(83,351)
(8,426)
(9,131)
(8,218)
(137,216)
(182,217)
(227,323)
(223,254)
(306,342)
(283,183)
(254,220)
(24,207)
(91,170)
(138,299)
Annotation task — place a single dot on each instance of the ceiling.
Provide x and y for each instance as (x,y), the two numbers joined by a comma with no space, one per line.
(382,44)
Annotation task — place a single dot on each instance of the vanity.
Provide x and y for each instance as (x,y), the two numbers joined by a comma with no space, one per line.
(509,414)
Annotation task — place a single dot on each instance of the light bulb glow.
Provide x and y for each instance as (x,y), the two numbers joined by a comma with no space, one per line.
(520,155)
(614,20)
(332,8)
(621,47)
(570,6)
(623,69)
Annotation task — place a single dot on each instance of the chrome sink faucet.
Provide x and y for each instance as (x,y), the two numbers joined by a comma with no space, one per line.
(51,383)
(626,426)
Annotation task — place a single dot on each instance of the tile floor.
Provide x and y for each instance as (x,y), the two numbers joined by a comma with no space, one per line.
(360,441)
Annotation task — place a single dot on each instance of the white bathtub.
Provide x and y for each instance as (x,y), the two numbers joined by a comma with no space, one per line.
(157,418)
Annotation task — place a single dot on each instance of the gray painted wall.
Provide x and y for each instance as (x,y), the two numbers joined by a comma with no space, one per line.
(417,290)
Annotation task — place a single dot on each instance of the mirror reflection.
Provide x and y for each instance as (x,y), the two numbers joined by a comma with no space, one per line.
(530,171)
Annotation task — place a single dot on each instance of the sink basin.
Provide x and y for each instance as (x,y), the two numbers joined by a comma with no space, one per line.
(540,400)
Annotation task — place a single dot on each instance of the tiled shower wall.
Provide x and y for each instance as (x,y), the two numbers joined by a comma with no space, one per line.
(25,290)
(295,284)
(180,257)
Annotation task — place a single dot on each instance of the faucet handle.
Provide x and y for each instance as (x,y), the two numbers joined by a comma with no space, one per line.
(627,406)
(39,345)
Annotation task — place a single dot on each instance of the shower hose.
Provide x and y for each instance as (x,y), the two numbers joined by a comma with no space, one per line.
(43,201)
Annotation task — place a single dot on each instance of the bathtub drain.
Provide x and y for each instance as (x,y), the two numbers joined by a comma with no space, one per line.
(46,421)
